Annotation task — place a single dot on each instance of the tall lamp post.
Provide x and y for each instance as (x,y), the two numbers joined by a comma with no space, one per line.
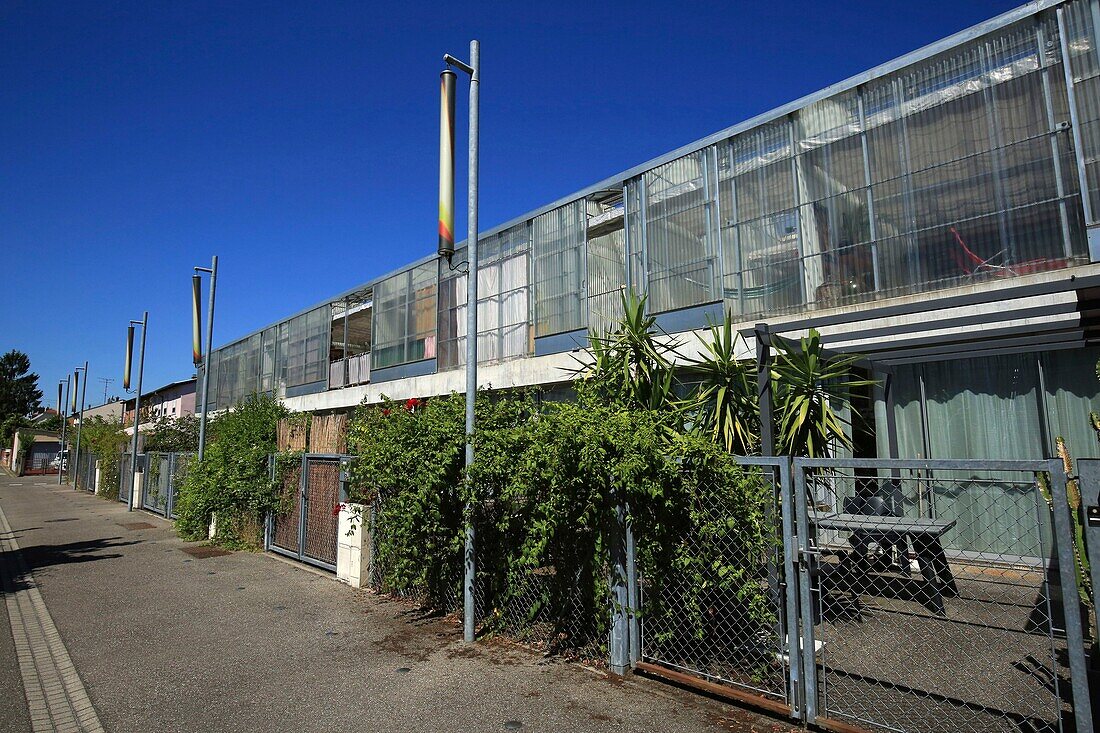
(200,360)
(446,250)
(62,405)
(144,323)
(80,419)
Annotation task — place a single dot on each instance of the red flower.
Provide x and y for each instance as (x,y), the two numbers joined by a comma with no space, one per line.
(385,412)
(412,403)
(337,509)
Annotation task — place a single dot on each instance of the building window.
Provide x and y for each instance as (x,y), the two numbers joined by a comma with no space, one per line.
(404,317)
(503,317)
(681,232)
(558,248)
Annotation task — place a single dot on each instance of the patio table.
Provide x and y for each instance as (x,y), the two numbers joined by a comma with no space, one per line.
(923,532)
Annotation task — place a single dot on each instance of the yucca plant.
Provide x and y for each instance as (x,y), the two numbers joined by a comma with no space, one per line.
(810,390)
(726,402)
(632,363)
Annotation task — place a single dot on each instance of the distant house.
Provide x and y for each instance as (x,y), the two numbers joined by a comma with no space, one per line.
(39,457)
(110,411)
(173,400)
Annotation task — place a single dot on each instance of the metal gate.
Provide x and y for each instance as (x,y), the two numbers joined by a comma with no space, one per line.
(727,619)
(899,596)
(84,478)
(180,464)
(306,526)
(155,487)
(124,478)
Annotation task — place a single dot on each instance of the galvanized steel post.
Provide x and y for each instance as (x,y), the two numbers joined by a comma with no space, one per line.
(144,323)
(474,70)
(80,421)
(213,270)
(61,405)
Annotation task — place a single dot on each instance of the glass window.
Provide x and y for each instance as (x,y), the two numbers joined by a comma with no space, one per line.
(404,318)
(681,233)
(606,251)
(559,268)
(502,316)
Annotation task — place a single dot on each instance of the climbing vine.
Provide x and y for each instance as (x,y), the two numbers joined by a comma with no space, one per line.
(233,483)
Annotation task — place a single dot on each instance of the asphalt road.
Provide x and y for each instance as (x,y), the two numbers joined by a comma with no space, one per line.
(247,642)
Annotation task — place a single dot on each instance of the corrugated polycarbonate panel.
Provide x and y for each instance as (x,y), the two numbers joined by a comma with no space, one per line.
(557,242)
(681,233)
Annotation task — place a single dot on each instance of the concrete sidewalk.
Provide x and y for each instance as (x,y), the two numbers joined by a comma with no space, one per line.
(167,641)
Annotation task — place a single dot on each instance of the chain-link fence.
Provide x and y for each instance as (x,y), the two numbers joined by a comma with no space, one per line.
(401,570)
(933,599)
(714,595)
(889,595)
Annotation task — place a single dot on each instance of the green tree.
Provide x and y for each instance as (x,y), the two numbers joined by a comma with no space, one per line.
(19,393)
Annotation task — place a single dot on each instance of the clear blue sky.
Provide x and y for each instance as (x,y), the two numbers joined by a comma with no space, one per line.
(298,141)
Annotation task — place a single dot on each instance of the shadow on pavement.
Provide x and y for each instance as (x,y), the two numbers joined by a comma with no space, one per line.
(42,556)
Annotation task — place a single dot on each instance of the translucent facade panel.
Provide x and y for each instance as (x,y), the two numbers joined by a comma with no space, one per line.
(681,233)
(267,359)
(503,317)
(307,347)
(955,170)
(1084,63)
(557,244)
(404,326)
(607,263)
(760,222)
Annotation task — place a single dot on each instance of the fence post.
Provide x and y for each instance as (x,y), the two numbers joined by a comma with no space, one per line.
(632,592)
(1089,485)
(620,651)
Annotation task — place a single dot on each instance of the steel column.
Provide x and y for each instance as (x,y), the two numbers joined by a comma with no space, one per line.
(206,358)
(80,420)
(137,411)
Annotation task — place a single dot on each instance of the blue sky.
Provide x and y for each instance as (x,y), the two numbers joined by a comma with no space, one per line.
(298,141)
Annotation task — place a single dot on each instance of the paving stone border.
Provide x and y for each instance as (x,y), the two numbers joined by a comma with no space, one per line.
(56,696)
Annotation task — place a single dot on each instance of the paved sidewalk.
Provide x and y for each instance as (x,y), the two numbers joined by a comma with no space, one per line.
(166,641)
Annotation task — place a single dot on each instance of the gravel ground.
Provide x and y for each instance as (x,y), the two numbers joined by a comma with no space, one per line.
(246,642)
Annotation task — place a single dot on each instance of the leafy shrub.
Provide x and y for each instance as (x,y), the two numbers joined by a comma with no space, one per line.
(546,486)
(172,434)
(233,481)
(410,464)
(106,441)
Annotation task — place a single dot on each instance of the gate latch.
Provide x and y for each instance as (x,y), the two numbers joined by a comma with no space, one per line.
(808,558)
(1092,515)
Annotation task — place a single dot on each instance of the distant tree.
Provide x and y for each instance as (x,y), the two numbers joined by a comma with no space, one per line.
(19,393)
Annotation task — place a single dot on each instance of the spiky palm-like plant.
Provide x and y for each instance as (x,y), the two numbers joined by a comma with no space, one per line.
(726,402)
(810,390)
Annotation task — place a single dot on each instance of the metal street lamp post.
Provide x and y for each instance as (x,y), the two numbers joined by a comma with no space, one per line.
(203,361)
(144,323)
(62,404)
(446,202)
(79,420)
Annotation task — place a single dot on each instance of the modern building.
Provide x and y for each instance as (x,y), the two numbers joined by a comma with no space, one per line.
(939,213)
